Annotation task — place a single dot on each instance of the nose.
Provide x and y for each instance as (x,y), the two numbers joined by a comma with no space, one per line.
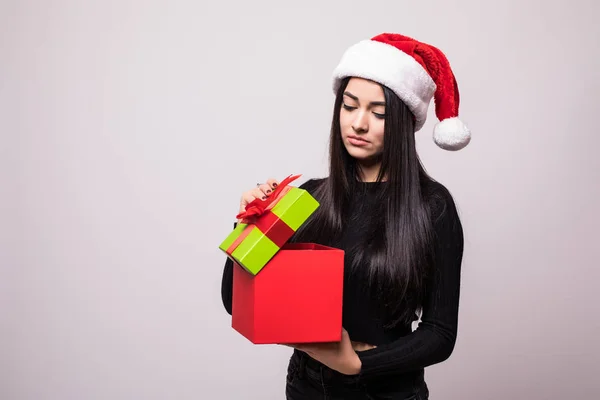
(361,122)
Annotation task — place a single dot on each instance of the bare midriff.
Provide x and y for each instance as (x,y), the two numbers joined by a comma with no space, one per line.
(360,346)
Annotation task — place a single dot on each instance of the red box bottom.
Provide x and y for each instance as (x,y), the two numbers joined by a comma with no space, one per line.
(296,298)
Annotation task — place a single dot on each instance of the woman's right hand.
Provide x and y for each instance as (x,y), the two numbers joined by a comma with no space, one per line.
(261,191)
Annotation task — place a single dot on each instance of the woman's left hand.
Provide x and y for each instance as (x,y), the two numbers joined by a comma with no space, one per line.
(339,356)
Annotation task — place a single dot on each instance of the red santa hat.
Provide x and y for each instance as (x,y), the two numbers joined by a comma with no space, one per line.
(416,72)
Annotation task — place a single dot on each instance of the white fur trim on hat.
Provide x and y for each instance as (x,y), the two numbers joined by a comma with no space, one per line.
(451,134)
(385,64)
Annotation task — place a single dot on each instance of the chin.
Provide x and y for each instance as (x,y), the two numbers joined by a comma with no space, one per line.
(359,154)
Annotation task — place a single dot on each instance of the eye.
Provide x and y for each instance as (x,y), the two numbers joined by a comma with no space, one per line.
(347,107)
(380,116)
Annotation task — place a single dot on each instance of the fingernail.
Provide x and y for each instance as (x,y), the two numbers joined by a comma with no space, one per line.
(274,185)
(268,190)
(264,197)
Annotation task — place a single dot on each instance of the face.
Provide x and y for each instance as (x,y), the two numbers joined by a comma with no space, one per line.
(362,119)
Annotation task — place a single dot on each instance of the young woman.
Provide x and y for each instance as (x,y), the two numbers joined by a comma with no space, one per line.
(399,228)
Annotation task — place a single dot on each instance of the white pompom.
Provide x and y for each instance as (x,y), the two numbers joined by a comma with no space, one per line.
(451,134)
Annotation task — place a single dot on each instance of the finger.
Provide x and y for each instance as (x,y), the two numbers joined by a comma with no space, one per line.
(259,194)
(247,197)
(272,183)
(251,195)
(266,189)
(245,200)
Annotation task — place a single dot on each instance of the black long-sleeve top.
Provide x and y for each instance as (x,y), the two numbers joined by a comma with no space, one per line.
(400,351)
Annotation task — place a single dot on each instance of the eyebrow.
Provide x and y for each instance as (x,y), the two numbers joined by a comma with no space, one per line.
(373,103)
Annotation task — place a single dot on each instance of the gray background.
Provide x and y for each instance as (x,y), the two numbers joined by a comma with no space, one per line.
(130,128)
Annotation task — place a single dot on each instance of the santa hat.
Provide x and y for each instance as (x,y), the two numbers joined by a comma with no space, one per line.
(416,72)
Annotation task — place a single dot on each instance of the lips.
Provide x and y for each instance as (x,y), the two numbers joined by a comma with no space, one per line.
(357,139)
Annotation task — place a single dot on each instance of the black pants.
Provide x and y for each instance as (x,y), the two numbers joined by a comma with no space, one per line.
(308,379)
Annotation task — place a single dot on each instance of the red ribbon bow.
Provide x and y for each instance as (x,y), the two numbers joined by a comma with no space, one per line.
(257,207)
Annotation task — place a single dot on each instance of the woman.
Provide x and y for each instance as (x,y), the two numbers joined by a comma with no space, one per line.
(399,228)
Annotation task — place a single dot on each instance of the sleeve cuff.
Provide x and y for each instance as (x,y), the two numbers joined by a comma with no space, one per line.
(370,361)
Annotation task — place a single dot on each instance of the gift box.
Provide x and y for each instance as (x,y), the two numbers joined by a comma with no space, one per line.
(296,298)
(266,225)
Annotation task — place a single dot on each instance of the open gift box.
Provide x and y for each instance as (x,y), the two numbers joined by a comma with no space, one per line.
(267,225)
(296,298)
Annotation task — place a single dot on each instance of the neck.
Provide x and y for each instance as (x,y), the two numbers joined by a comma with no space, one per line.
(369,172)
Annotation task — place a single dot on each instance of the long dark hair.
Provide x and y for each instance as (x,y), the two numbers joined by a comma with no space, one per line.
(398,251)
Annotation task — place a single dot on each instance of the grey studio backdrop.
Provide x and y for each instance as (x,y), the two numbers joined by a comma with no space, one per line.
(130,128)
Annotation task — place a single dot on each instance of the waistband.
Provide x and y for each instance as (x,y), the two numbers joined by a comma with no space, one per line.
(317,371)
